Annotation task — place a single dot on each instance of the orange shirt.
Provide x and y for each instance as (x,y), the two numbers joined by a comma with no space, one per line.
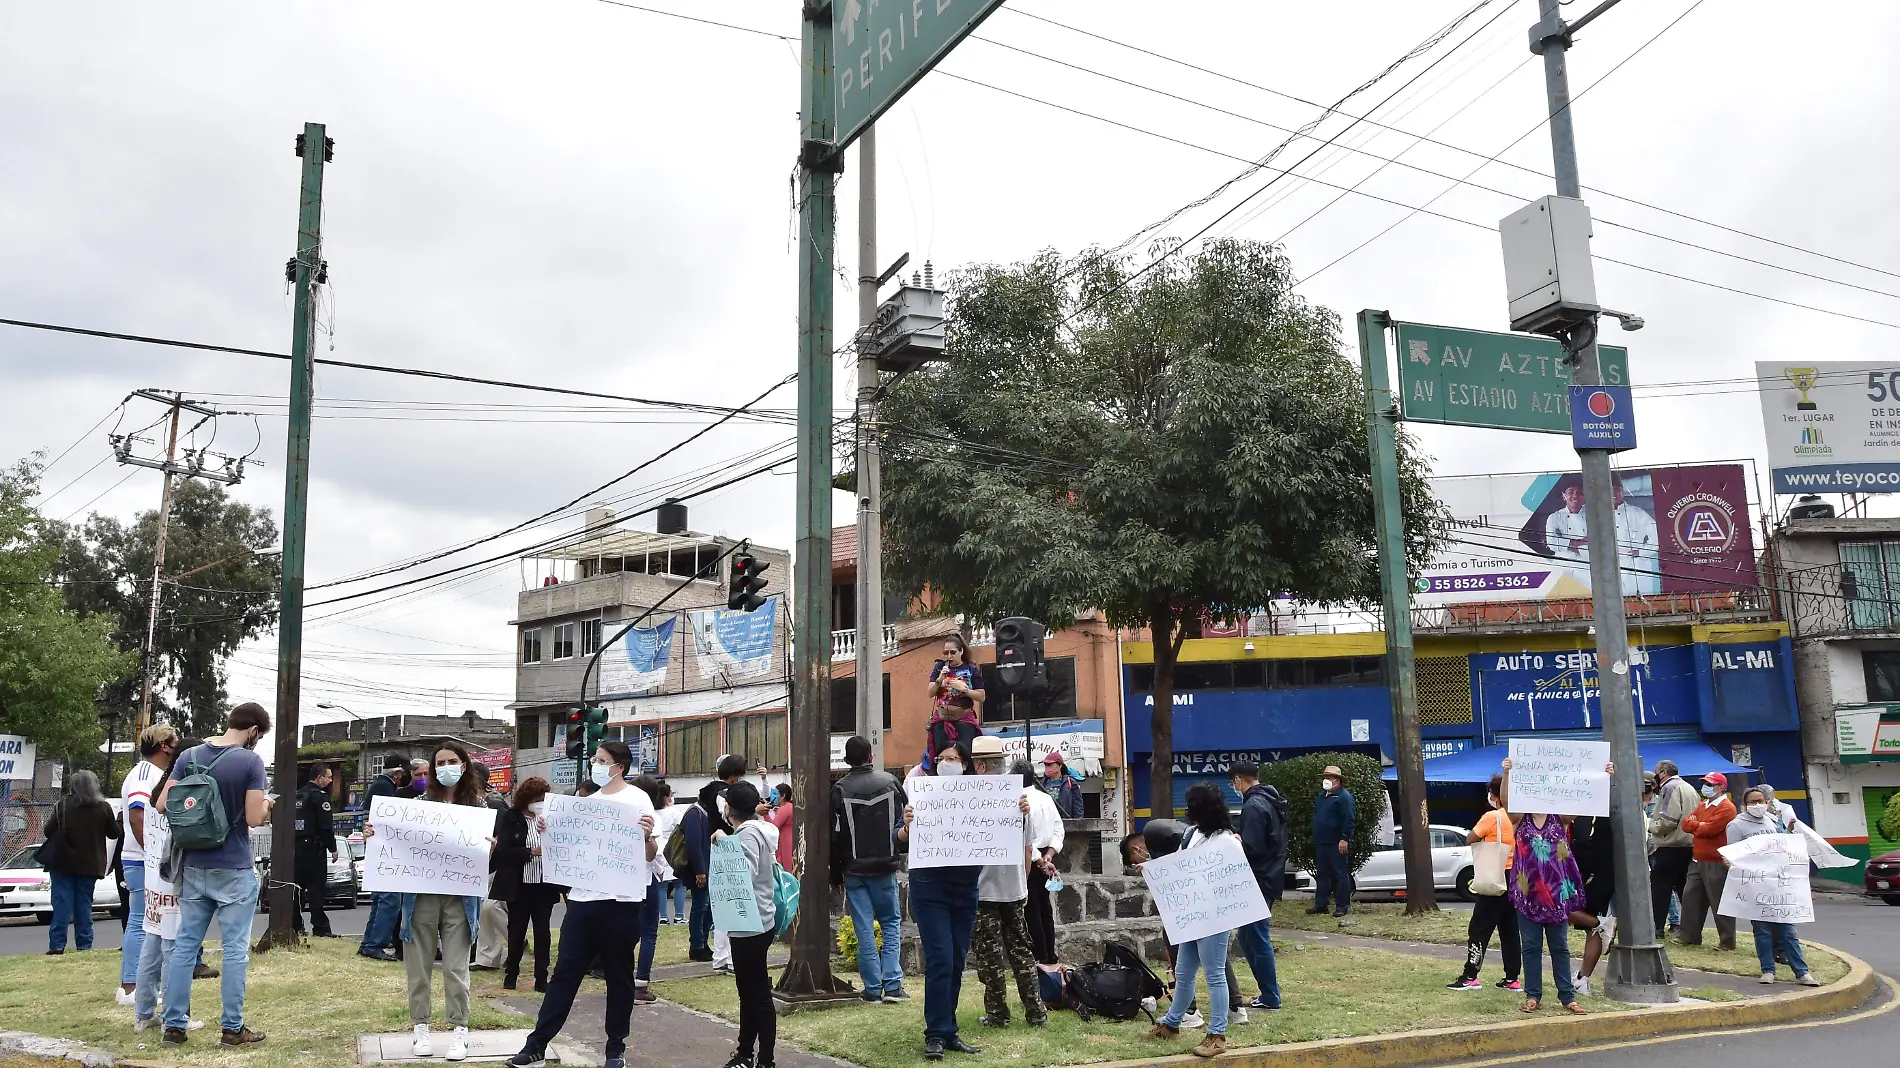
(1495,826)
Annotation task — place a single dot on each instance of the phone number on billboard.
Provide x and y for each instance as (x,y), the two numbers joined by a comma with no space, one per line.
(1481,582)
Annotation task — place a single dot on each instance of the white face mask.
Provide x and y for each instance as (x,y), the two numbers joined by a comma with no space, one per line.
(1758,810)
(538,807)
(448,774)
(602,774)
(1327,785)
(950,767)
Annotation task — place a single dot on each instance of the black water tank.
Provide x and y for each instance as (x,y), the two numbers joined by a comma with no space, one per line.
(672,517)
(1811,506)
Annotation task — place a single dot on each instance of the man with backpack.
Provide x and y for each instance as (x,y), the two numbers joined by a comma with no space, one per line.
(867,805)
(1263,822)
(210,810)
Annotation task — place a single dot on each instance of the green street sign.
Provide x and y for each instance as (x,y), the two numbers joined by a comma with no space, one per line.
(881,48)
(1480,378)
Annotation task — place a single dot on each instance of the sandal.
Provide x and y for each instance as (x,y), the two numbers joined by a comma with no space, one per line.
(1576,1010)
(1530,1004)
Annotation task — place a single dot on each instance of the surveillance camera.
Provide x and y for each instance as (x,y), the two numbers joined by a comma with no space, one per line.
(1247,647)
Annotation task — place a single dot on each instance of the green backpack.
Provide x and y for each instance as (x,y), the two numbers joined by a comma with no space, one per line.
(195,809)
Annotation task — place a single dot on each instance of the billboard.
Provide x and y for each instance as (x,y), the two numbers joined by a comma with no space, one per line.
(1831,427)
(637,662)
(1524,537)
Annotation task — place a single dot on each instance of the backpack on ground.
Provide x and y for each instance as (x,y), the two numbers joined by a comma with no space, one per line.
(195,808)
(1151,985)
(1054,987)
(1111,991)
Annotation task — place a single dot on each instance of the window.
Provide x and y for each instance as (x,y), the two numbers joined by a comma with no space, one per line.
(1882,668)
(1189,677)
(1141,678)
(692,748)
(1446,839)
(528,732)
(844,703)
(1249,675)
(556,721)
(760,739)
(563,641)
(531,645)
(590,637)
(1870,582)
(1057,703)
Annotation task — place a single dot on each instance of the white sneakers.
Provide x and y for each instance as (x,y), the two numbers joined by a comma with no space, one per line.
(421,1046)
(458,1044)
(1767,978)
(122,995)
(1238,1016)
(1582,983)
(157,1023)
(1192,1021)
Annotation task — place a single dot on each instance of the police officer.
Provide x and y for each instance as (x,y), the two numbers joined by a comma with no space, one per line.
(316,847)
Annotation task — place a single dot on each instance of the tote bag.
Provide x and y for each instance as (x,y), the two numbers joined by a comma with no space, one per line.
(1487,863)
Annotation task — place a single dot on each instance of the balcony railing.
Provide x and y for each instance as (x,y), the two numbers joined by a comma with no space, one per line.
(844,643)
(1838,600)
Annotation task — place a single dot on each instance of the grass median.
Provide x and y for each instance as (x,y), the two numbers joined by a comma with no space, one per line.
(1331,992)
(1447,927)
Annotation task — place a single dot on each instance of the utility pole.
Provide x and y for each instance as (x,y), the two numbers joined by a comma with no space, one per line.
(1639,969)
(870,591)
(158,571)
(307,270)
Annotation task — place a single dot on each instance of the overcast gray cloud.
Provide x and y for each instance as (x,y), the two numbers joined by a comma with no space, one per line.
(583,195)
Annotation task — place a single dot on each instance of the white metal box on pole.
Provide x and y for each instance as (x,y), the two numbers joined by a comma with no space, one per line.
(1548,275)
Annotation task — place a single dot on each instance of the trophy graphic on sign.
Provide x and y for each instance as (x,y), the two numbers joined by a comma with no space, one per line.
(1802,378)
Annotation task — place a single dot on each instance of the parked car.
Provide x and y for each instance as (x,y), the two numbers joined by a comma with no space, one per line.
(1883,877)
(341,883)
(1384,871)
(27,890)
(358,850)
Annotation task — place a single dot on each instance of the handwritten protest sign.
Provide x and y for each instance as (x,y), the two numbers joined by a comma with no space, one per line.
(1205,890)
(735,908)
(965,819)
(161,897)
(1560,778)
(1768,880)
(597,844)
(426,847)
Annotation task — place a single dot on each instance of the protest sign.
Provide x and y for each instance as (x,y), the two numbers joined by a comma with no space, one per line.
(965,819)
(1560,778)
(1768,880)
(161,897)
(427,847)
(1205,890)
(596,843)
(735,909)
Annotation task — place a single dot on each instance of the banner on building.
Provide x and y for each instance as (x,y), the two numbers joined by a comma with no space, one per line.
(649,748)
(500,763)
(1080,741)
(1523,537)
(737,645)
(637,662)
(17,756)
(1831,427)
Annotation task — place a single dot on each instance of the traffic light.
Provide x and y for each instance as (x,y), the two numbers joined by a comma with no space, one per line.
(577,747)
(596,729)
(1019,661)
(748,578)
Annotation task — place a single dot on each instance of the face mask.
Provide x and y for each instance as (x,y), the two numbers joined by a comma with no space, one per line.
(538,807)
(1708,791)
(1326,785)
(950,767)
(602,774)
(1758,810)
(448,774)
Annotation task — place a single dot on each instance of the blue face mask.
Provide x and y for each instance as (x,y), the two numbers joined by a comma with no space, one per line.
(602,774)
(448,774)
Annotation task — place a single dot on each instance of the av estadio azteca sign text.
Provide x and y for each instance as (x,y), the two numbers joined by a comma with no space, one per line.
(1480,378)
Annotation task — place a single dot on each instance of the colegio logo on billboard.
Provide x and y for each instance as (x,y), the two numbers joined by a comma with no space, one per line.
(1704,524)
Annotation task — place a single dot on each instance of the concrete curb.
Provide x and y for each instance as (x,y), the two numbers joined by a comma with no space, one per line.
(1536,1034)
(58,1048)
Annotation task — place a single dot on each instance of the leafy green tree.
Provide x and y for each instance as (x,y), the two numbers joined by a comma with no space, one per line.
(1889,822)
(1169,444)
(54,664)
(219,593)
(1297,779)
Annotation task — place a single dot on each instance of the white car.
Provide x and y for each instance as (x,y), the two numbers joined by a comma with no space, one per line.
(1451,864)
(26,889)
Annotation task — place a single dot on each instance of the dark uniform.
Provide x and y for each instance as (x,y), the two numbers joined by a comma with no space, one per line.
(316,842)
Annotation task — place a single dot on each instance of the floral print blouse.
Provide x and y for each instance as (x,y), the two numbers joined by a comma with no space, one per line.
(1545,884)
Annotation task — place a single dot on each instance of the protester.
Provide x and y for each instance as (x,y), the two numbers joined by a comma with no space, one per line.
(158,745)
(441,921)
(673,896)
(220,882)
(699,823)
(1161,838)
(516,863)
(758,1017)
(491,936)
(943,902)
(385,908)
(1333,816)
(1675,847)
(1000,938)
(1263,827)
(956,694)
(1781,812)
(1047,838)
(1207,813)
(1061,786)
(598,925)
(1649,845)
(1546,888)
(1708,824)
(159,919)
(867,807)
(418,778)
(78,829)
(1492,912)
(1595,850)
(1772,940)
(316,848)
(781,818)
(649,929)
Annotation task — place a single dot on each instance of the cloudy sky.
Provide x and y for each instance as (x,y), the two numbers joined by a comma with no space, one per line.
(587,195)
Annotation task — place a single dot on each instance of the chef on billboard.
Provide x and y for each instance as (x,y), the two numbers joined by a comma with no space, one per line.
(1567,534)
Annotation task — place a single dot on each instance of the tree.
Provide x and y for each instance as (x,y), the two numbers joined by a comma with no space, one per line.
(1167,444)
(218,593)
(1298,780)
(53,662)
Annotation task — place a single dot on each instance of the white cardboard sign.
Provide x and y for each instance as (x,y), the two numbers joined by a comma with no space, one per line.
(1560,778)
(965,819)
(161,897)
(1768,880)
(1205,890)
(595,844)
(427,847)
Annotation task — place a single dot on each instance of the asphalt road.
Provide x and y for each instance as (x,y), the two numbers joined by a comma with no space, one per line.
(25,936)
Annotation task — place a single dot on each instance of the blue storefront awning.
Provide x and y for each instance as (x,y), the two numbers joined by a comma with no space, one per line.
(1478,765)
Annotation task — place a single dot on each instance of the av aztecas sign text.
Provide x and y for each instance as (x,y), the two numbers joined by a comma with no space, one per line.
(1479,378)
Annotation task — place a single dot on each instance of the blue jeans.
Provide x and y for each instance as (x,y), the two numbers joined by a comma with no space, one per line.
(134,922)
(682,901)
(379,930)
(1256,944)
(1534,935)
(72,903)
(1770,937)
(228,895)
(872,899)
(699,934)
(153,953)
(648,931)
(1209,954)
(945,911)
(1332,877)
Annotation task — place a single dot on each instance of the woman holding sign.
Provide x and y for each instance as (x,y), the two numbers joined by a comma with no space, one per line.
(1207,812)
(758,1018)
(1770,938)
(1546,888)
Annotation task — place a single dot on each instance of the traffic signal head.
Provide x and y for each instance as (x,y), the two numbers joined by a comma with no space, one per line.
(748,578)
(596,729)
(577,745)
